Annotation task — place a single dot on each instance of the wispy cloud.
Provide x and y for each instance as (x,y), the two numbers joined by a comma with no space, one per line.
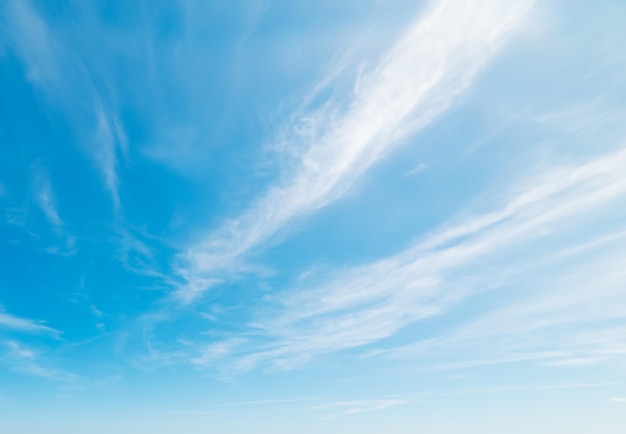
(60,74)
(417,169)
(26,360)
(45,198)
(344,408)
(192,412)
(330,408)
(618,400)
(109,139)
(25,325)
(571,317)
(29,33)
(551,219)
(46,201)
(219,408)
(423,74)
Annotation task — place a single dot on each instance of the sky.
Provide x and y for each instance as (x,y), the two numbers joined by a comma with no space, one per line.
(317,216)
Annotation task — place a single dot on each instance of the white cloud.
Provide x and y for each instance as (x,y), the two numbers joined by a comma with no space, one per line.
(618,400)
(29,361)
(549,220)
(192,412)
(217,351)
(573,318)
(575,361)
(108,136)
(417,169)
(59,73)
(427,71)
(45,198)
(339,408)
(46,201)
(29,33)
(25,325)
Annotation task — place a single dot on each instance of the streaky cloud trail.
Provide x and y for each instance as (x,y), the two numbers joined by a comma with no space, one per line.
(423,74)
(361,305)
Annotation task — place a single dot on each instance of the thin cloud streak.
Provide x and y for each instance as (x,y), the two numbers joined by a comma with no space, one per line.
(568,326)
(365,304)
(29,361)
(59,74)
(25,325)
(345,408)
(46,199)
(427,71)
(108,138)
(30,35)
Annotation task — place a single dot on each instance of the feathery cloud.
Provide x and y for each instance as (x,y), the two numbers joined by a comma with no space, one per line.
(368,303)
(59,73)
(45,198)
(108,140)
(339,408)
(30,35)
(424,73)
(29,361)
(25,325)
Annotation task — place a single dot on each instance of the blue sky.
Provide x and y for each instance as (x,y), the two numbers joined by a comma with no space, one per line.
(314,216)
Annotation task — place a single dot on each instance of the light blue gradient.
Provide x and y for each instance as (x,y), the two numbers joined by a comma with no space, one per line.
(312,216)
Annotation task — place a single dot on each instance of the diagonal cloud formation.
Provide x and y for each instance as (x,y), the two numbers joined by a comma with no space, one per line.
(549,219)
(427,71)
(25,325)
